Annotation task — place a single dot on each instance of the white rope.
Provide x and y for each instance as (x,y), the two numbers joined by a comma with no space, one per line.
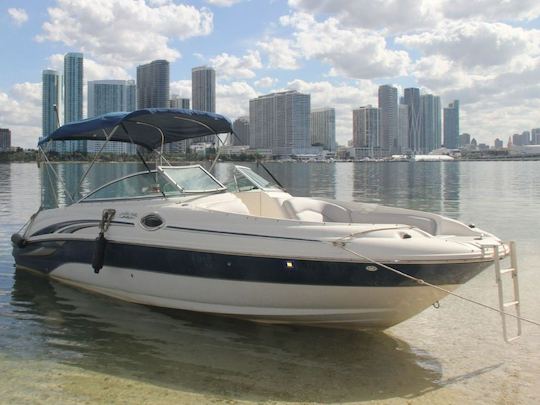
(341,244)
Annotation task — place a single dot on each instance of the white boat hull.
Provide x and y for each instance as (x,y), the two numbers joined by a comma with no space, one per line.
(369,307)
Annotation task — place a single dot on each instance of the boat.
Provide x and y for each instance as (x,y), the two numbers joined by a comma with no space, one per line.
(179,237)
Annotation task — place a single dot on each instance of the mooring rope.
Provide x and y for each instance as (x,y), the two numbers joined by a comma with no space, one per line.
(420,281)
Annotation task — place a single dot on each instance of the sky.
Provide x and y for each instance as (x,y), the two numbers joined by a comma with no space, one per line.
(486,53)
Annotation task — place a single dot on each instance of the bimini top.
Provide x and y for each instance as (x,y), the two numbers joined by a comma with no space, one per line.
(149,127)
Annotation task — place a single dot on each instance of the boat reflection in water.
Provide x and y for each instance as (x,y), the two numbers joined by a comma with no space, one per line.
(212,355)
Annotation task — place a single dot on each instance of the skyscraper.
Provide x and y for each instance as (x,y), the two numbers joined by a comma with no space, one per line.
(5,139)
(535,136)
(153,85)
(430,134)
(52,95)
(73,96)
(412,100)
(323,128)
(203,93)
(105,96)
(203,88)
(366,131)
(280,121)
(451,125)
(241,129)
(403,128)
(388,115)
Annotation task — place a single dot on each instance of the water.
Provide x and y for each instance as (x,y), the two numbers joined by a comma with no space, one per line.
(63,345)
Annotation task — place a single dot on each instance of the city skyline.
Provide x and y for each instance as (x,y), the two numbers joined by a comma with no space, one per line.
(488,58)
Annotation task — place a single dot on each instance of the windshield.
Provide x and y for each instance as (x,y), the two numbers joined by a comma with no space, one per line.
(245,179)
(192,179)
(138,185)
(163,182)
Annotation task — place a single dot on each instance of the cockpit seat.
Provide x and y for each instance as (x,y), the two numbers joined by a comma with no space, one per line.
(308,209)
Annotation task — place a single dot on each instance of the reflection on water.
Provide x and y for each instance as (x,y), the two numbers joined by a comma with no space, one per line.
(208,354)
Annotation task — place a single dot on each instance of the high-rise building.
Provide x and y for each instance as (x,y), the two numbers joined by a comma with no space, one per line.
(403,128)
(366,131)
(535,136)
(464,140)
(430,131)
(498,144)
(525,138)
(105,96)
(5,139)
(280,121)
(52,95)
(153,85)
(451,125)
(203,88)
(203,93)
(179,102)
(412,100)
(241,129)
(73,96)
(388,115)
(323,128)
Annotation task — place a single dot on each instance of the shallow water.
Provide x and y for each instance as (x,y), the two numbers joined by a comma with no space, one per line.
(59,344)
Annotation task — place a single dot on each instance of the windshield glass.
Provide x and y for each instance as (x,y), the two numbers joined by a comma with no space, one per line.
(192,179)
(139,185)
(260,181)
(245,179)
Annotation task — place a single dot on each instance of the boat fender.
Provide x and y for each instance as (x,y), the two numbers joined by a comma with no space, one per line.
(18,240)
(99,253)
(101,242)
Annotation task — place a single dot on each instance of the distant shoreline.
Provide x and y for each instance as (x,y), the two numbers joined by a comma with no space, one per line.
(490,159)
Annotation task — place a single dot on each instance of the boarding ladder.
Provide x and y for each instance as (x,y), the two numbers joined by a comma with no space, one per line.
(504,306)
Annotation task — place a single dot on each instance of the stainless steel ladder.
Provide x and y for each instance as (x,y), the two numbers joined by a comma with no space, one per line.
(503,306)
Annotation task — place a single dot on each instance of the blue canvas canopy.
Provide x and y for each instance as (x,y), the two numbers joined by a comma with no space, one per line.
(148,127)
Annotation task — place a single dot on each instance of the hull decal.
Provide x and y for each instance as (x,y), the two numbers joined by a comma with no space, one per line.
(73,226)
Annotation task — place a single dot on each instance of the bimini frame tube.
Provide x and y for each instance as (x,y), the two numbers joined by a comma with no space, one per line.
(66,191)
(107,139)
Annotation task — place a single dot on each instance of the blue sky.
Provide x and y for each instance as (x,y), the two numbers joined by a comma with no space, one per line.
(484,53)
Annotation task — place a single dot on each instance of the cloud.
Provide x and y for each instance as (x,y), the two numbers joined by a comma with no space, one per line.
(354,52)
(181,88)
(388,15)
(266,82)
(397,16)
(20,111)
(232,67)
(124,32)
(280,53)
(475,44)
(223,3)
(18,15)
(232,99)
(488,10)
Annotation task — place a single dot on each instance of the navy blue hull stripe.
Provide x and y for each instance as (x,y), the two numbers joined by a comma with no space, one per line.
(237,267)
